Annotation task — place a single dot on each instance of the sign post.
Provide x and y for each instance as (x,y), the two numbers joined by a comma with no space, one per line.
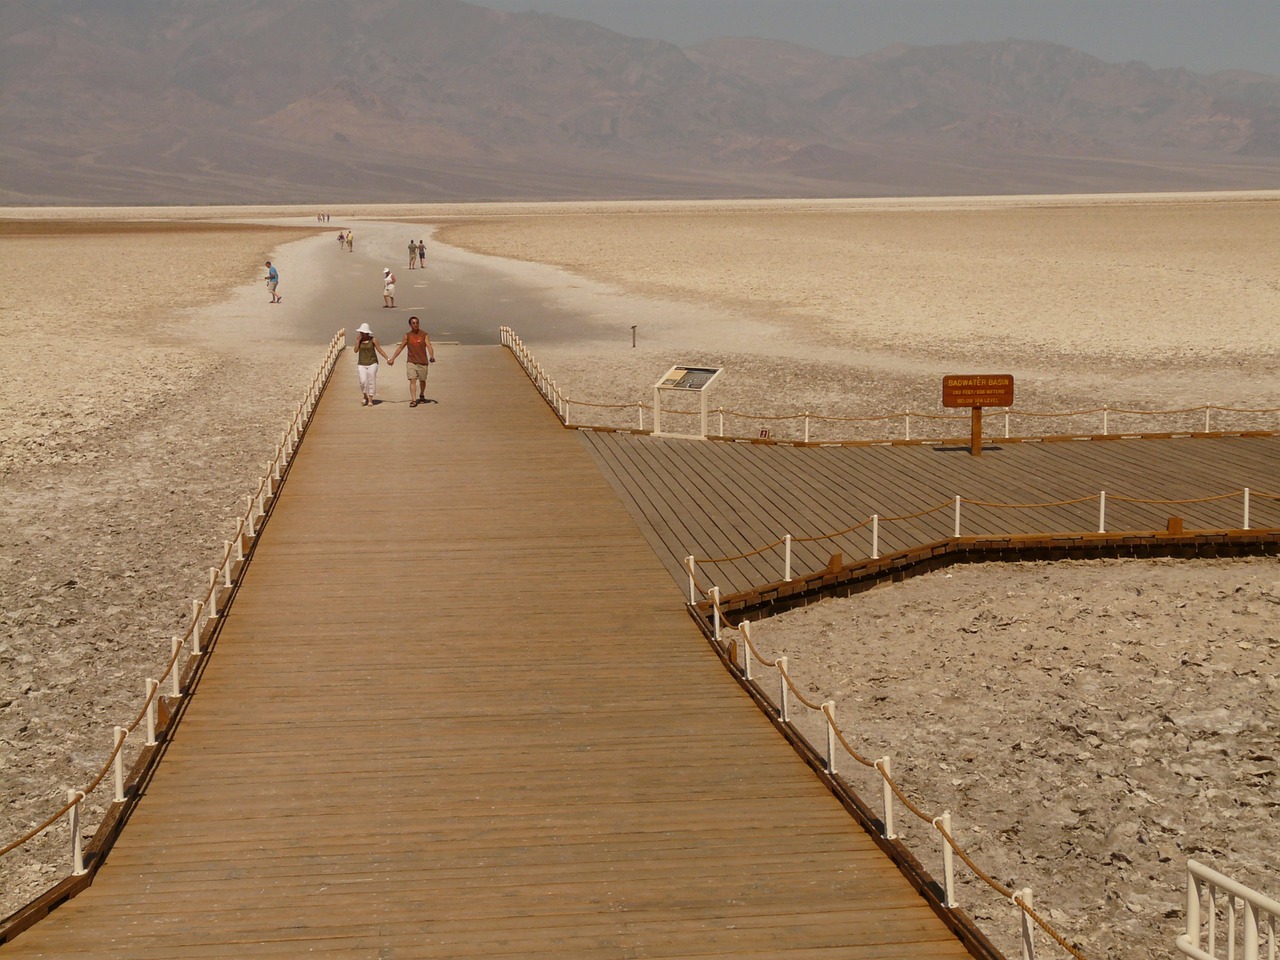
(976,391)
(686,380)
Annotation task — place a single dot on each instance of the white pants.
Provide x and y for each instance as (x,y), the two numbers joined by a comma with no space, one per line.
(368,379)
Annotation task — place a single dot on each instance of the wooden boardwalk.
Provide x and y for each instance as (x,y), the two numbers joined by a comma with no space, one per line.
(714,499)
(457,711)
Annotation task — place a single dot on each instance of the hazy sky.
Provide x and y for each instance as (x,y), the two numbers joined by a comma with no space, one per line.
(1202,35)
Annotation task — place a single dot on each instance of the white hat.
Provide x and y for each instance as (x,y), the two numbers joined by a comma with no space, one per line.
(386,269)
(364,328)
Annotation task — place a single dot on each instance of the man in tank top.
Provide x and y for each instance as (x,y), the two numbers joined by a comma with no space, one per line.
(421,353)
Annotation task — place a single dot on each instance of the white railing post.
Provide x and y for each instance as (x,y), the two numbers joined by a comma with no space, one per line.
(1251,932)
(784,712)
(693,590)
(213,595)
(829,709)
(75,797)
(745,629)
(1028,942)
(1193,910)
(640,409)
(720,411)
(1206,418)
(174,669)
(956,529)
(875,536)
(1102,511)
(883,765)
(1246,509)
(196,607)
(120,735)
(1105,428)
(715,613)
(786,563)
(943,825)
(1006,424)
(152,686)
(806,426)
(907,419)
(226,565)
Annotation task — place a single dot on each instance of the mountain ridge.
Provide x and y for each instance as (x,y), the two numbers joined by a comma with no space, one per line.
(395,100)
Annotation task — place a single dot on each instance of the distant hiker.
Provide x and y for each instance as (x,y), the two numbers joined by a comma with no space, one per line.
(421,353)
(422,255)
(388,288)
(367,350)
(273,281)
(351,239)
(342,239)
(413,254)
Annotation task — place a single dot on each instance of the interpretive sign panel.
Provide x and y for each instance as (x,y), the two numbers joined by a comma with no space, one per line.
(688,378)
(691,379)
(977,390)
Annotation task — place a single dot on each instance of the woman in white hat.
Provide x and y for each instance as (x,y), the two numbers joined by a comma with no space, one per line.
(388,288)
(367,350)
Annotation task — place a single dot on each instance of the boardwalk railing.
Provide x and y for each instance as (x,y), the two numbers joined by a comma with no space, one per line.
(733,642)
(158,709)
(809,427)
(839,747)
(1212,896)
(875,523)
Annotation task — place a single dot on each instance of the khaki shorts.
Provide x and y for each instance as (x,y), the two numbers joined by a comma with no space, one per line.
(416,371)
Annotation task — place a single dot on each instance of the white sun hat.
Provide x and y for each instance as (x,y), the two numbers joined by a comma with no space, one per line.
(364,328)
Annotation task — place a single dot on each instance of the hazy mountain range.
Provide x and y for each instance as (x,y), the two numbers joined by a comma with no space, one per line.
(328,101)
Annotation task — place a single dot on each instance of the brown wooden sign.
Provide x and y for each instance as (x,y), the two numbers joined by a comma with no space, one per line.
(977,390)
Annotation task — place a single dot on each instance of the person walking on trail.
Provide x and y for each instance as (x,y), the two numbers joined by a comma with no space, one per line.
(351,239)
(273,281)
(422,255)
(388,288)
(367,350)
(413,255)
(421,353)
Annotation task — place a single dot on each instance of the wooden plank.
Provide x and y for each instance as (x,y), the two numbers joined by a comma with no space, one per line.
(710,511)
(677,525)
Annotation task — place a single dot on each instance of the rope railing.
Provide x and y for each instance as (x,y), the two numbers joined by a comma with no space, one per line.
(875,522)
(892,788)
(809,418)
(204,614)
(563,404)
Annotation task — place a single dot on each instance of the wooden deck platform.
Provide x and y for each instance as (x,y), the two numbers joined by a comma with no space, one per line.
(716,499)
(457,711)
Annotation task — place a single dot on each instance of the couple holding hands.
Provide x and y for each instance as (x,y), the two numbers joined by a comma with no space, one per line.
(421,354)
